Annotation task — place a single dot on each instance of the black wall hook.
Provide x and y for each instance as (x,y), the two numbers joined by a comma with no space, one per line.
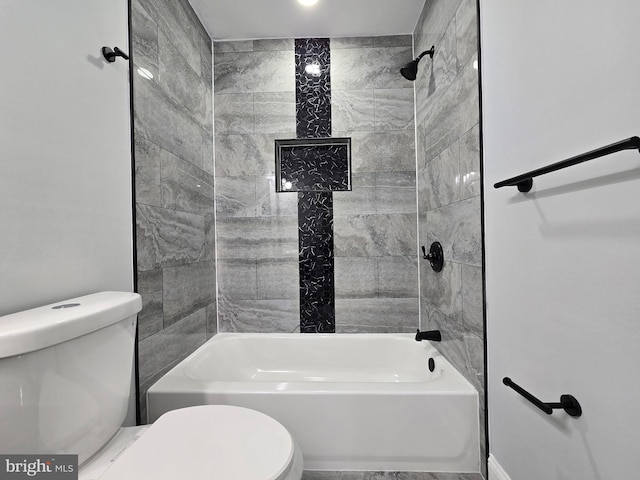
(568,403)
(435,256)
(110,55)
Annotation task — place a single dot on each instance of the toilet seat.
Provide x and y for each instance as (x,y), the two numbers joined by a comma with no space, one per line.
(208,442)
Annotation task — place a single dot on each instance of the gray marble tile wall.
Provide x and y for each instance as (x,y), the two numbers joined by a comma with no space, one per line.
(254,104)
(376,269)
(448,178)
(173,122)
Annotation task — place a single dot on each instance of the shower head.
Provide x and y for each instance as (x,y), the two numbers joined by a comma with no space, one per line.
(410,70)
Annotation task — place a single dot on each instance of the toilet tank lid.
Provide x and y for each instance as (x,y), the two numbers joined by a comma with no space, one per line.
(42,327)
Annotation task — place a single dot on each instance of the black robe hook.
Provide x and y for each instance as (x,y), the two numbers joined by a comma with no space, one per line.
(110,55)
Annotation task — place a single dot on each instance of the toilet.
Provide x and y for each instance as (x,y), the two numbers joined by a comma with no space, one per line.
(66,370)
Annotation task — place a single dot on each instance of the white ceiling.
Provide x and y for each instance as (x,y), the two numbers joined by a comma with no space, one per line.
(252,19)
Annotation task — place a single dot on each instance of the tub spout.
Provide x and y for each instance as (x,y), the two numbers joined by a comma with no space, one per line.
(433,335)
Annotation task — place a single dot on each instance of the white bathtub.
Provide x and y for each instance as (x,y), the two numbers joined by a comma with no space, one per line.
(352,401)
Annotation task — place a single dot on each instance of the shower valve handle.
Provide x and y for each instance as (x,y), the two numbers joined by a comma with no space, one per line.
(435,256)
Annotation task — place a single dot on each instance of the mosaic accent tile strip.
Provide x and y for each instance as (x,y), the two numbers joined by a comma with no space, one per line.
(315,238)
(313,165)
(310,166)
(313,88)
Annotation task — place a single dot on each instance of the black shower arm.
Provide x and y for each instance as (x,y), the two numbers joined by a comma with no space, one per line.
(429,52)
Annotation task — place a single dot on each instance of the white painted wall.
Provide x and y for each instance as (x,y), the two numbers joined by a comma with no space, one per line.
(563,262)
(65,153)
(65,169)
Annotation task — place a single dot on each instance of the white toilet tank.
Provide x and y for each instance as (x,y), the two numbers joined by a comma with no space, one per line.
(65,374)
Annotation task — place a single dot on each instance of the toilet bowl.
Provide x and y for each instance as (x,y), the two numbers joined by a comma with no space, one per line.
(66,370)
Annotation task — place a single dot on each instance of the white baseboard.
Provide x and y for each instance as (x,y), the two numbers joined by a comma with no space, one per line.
(495,470)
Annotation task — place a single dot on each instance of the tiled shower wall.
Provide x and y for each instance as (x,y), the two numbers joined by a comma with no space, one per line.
(257,228)
(376,270)
(376,266)
(449,208)
(174,186)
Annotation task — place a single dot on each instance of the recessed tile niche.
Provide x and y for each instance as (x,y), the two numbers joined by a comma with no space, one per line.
(313,165)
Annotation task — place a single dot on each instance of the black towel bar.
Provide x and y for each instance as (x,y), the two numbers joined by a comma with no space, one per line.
(567,402)
(524,182)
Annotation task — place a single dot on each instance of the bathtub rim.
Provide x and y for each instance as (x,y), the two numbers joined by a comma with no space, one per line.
(176,380)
